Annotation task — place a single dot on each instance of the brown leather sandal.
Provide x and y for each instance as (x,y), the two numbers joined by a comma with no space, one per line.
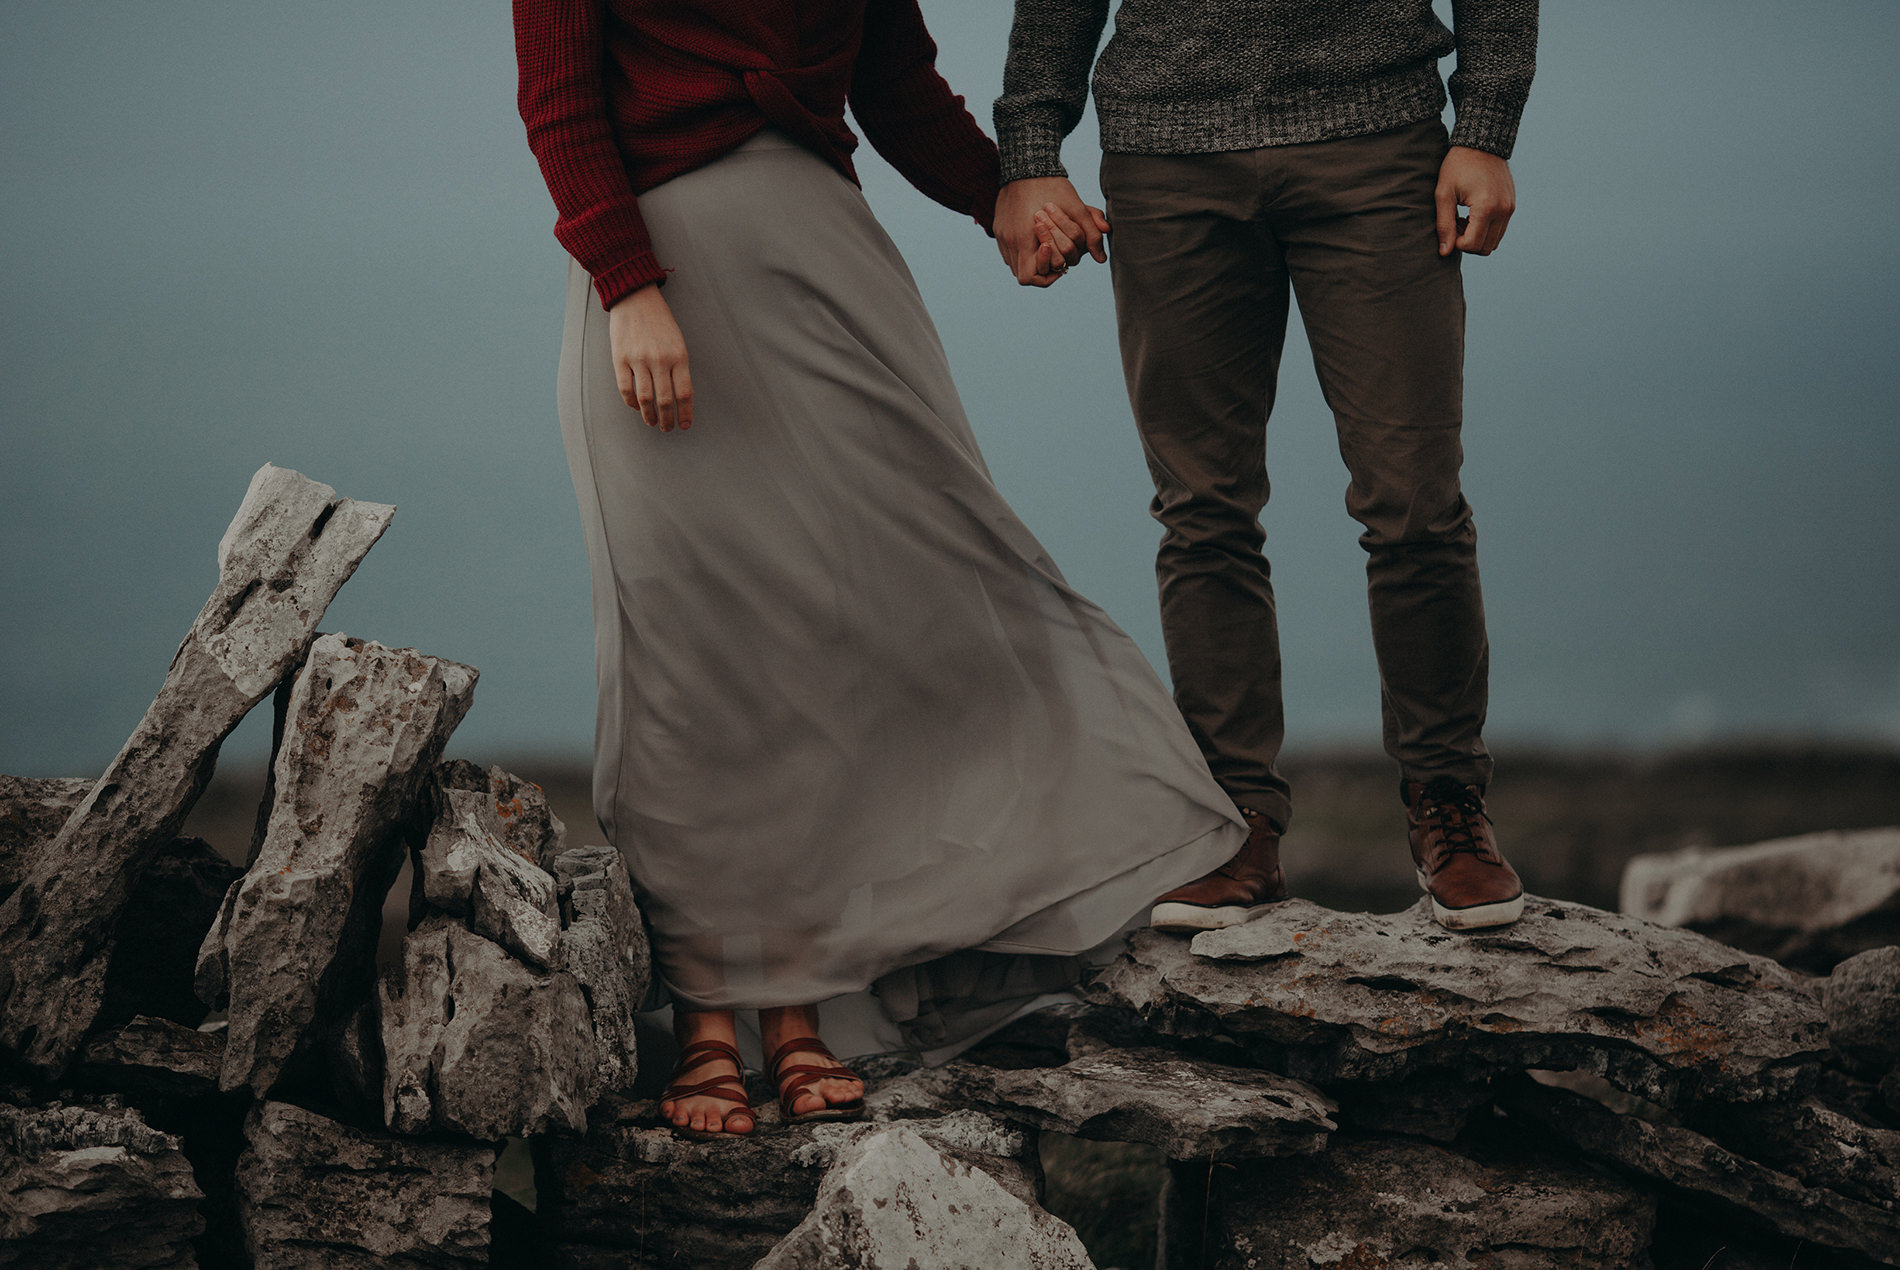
(725,1088)
(804,1075)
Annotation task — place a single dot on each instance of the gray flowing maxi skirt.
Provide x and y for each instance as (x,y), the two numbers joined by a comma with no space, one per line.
(855,730)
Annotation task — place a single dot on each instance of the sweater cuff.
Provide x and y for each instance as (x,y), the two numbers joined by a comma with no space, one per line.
(1487,125)
(624,279)
(1031,145)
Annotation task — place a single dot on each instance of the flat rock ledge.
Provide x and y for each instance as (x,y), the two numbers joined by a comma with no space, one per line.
(1668,1015)
(76,1179)
(1188,1108)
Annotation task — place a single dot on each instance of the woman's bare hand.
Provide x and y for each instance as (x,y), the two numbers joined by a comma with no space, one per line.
(650,359)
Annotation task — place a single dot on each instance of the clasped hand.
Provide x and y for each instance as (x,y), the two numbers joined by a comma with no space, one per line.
(1043,227)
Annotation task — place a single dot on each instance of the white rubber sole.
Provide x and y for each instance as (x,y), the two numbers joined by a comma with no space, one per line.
(1478,916)
(1200,917)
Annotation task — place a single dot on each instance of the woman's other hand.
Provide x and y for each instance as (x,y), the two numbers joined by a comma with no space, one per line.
(650,359)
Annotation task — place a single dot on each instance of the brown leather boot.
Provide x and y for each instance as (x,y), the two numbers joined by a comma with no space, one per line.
(1239,891)
(1459,865)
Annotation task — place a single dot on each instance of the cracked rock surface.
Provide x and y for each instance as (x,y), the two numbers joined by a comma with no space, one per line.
(1665,1014)
(76,1179)
(1683,1159)
(1406,1205)
(316,1194)
(1189,1108)
(604,946)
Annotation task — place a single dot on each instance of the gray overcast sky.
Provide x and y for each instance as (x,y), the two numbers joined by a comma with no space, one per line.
(233,233)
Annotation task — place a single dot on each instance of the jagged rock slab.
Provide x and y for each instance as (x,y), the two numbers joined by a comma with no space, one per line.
(476,1042)
(1808,902)
(1190,1109)
(1819,1146)
(470,865)
(292,544)
(320,1195)
(171,910)
(1404,1205)
(1673,1156)
(156,1056)
(893,1200)
(604,946)
(32,810)
(77,1181)
(1323,996)
(631,1185)
(295,943)
(1862,1000)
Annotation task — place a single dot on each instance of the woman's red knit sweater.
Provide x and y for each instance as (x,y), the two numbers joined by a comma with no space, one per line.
(621,95)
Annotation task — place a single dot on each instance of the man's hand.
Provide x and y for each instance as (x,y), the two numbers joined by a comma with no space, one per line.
(1481,182)
(1039,253)
(650,359)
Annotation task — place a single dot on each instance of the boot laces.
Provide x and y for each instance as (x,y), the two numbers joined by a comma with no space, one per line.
(1458,812)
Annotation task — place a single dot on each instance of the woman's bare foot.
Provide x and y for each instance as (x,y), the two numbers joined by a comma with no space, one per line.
(786,1023)
(709,1073)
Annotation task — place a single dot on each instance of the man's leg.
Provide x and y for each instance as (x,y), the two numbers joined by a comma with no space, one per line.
(1201,302)
(1385,315)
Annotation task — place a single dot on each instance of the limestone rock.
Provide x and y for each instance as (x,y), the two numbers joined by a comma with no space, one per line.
(32,810)
(1862,1000)
(294,947)
(1674,1156)
(1405,1205)
(155,1056)
(1808,902)
(476,1042)
(316,1194)
(467,866)
(1819,1146)
(1190,1109)
(604,946)
(631,1184)
(75,1181)
(170,911)
(1323,996)
(894,1200)
(292,544)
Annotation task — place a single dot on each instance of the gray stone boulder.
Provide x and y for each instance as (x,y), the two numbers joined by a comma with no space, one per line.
(1326,997)
(1753,1195)
(294,946)
(292,544)
(1188,1108)
(1404,1205)
(1819,1146)
(314,1194)
(1808,902)
(631,1186)
(76,1181)
(469,866)
(1862,1000)
(604,946)
(477,1042)
(891,1199)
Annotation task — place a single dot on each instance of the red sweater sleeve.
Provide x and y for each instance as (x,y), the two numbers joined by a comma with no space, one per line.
(910,116)
(561,54)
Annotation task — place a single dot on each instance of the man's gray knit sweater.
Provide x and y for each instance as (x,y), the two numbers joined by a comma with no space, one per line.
(1195,76)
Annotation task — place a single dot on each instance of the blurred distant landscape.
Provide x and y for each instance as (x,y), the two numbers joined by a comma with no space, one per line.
(1567,819)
